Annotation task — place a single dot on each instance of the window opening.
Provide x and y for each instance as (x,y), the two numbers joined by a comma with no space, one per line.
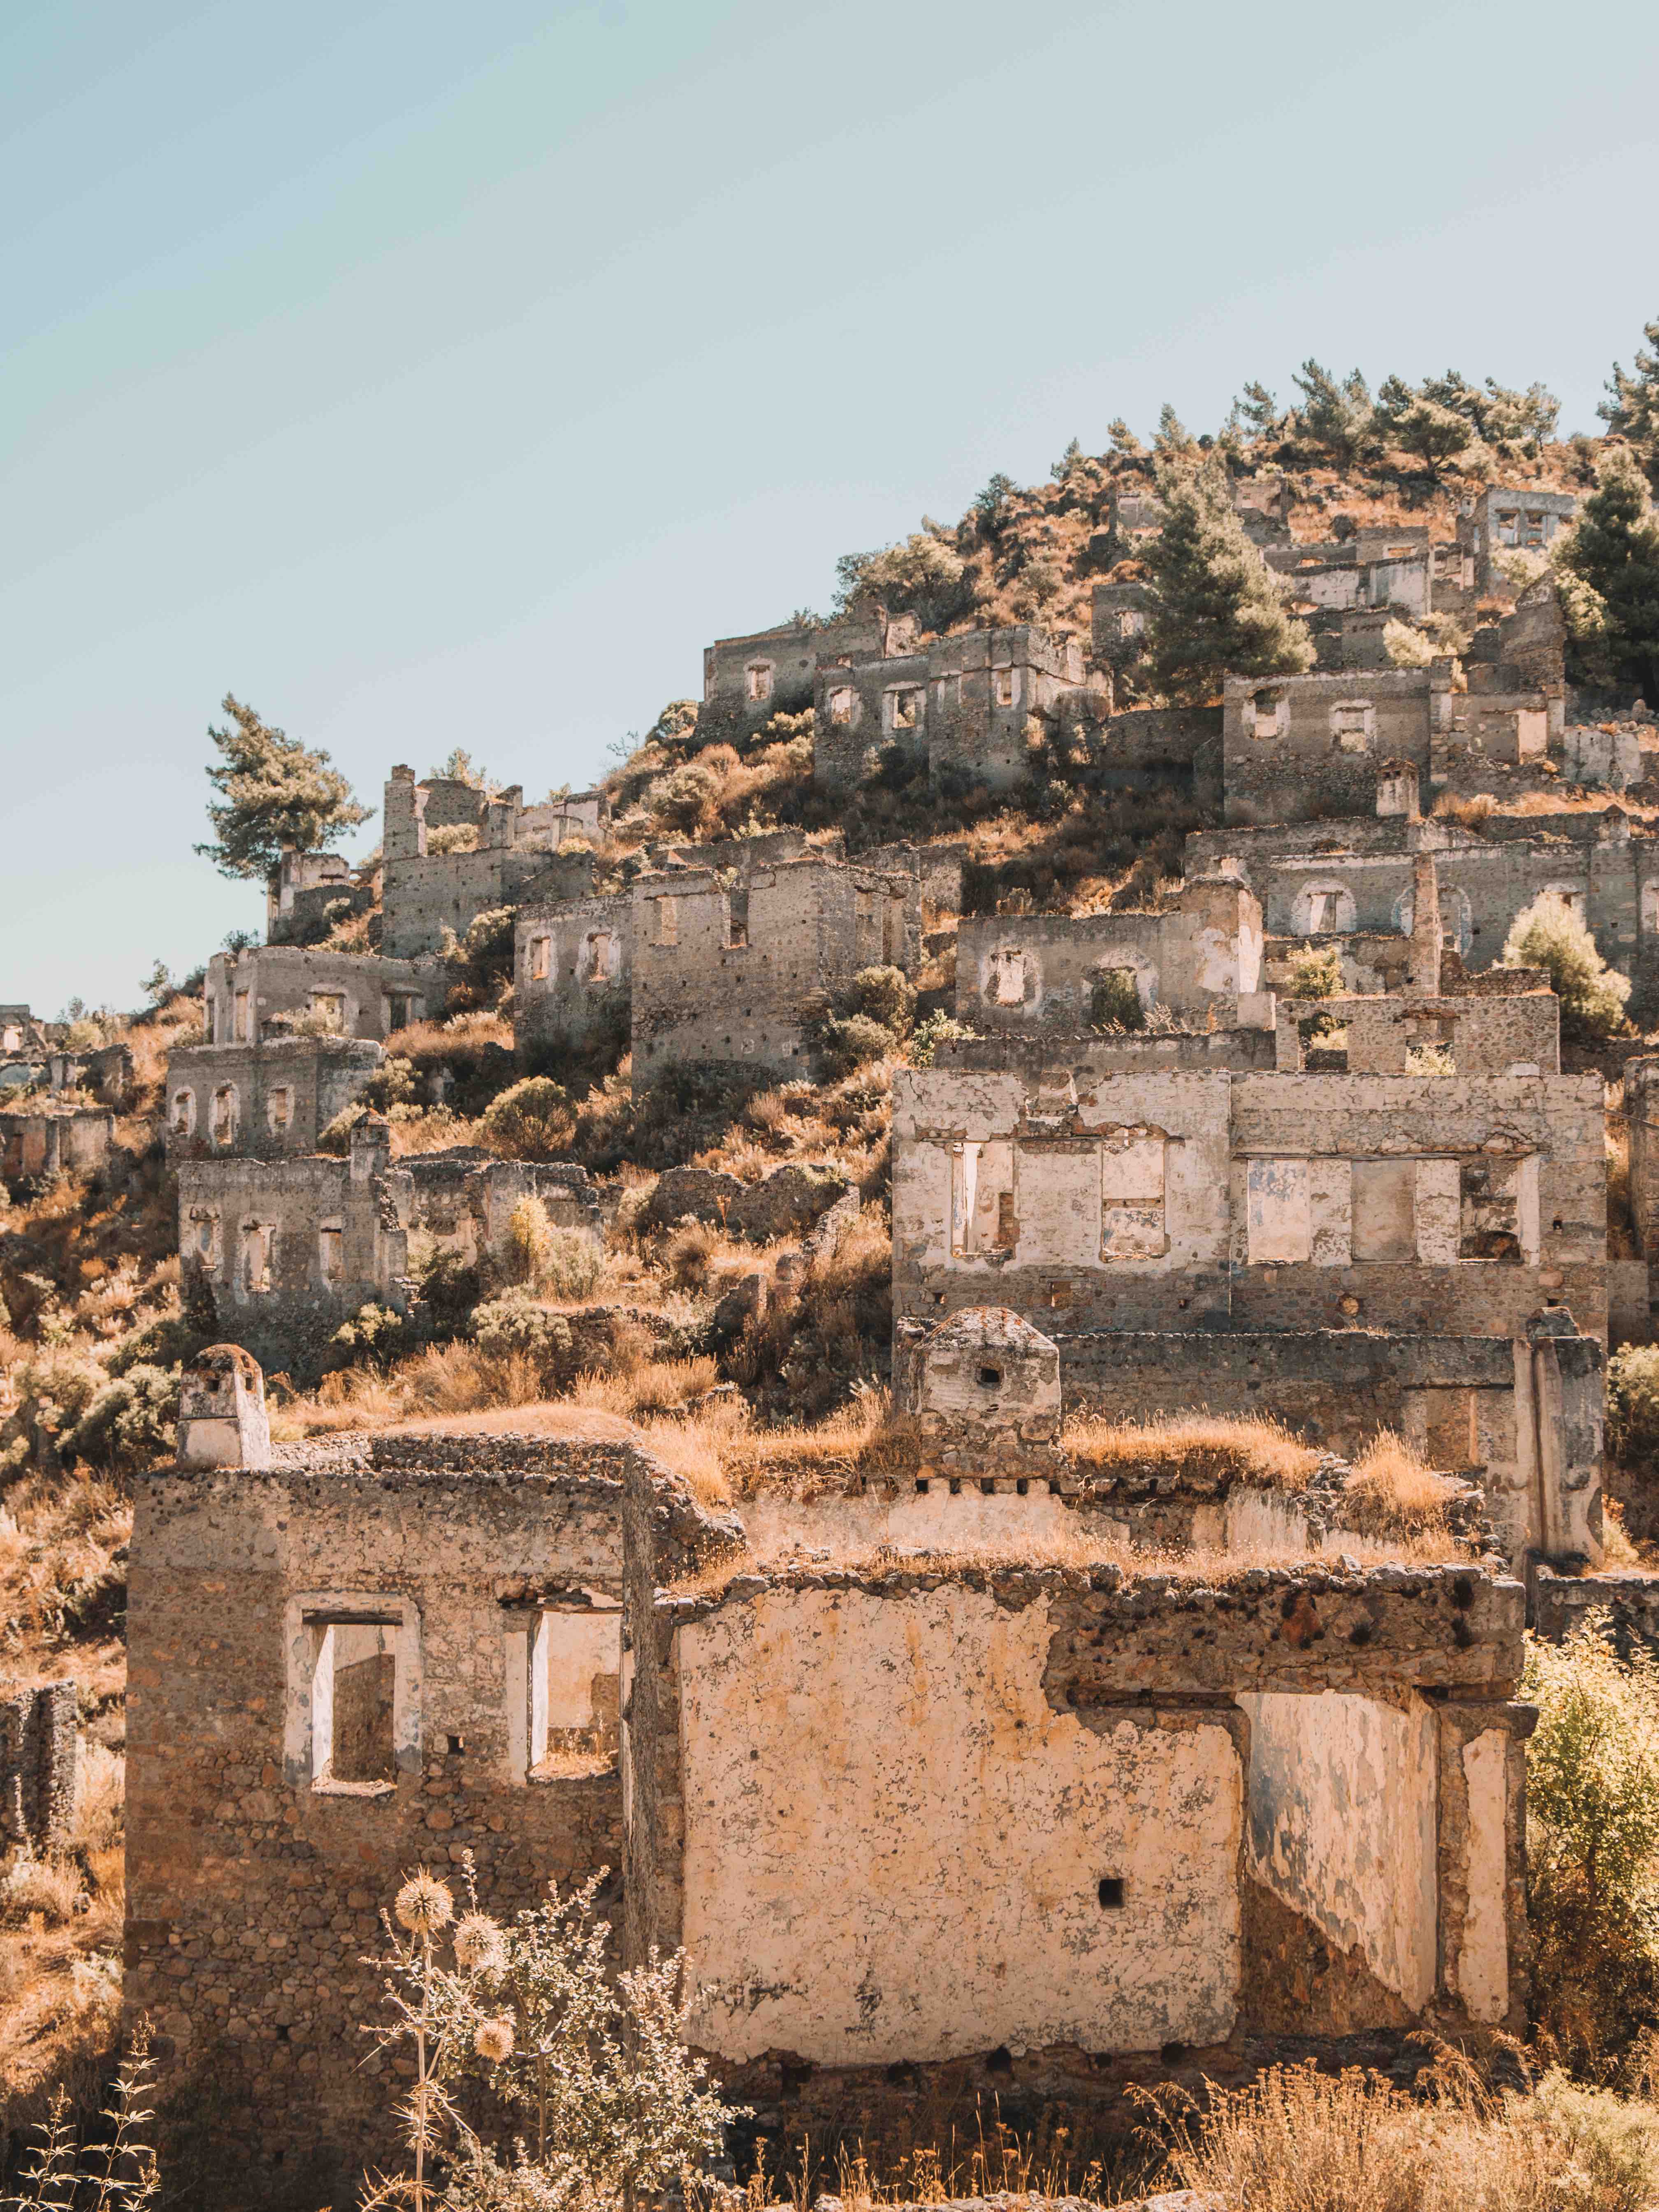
(353,1694)
(224,1114)
(328,1008)
(841,704)
(331,1253)
(990,1378)
(1271,714)
(668,922)
(1003,679)
(758,675)
(403,1011)
(1132,1195)
(906,707)
(244,1032)
(279,1109)
(598,955)
(256,1239)
(184,1113)
(541,958)
(575,1669)
(1008,977)
(737,931)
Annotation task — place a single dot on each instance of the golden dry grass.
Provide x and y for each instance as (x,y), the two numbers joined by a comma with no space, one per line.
(1392,1492)
(1193,1444)
(1299,2141)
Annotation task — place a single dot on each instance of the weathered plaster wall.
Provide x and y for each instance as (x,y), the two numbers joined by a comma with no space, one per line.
(1342,1823)
(907,1754)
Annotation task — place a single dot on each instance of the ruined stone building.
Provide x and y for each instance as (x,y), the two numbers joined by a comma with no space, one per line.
(747,680)
(573,971)
(309,892)
(1505,519)
(969,703)
(270,989)
(734,972)
(283,1251)
(454,852)
(1324,1248)
(1066,1826)
(47,1141)
(1030,972)
(267,1098)
(1350,879)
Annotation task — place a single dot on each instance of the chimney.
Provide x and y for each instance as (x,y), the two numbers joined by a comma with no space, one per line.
(221,1411)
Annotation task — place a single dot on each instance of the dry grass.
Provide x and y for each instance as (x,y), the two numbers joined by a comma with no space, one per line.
(1392,1492)
(1197,1445)
(1299,2141)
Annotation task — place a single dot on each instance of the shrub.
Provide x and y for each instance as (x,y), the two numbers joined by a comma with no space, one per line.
(852,1041)
(607,2102)
(1593,1840)
(131,1421)
(514,1323)
(564,1261)
(937,1030)
(1315,973)
(1406,646)
(374,1331)
(886,995)
(531,1119)
(1634,1406)
(680,799)
(1548,934)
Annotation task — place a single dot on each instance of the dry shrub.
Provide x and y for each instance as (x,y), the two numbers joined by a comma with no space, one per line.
(51,1888)
(646,1387)
(1196,1445)
(1392,1491)
(1299,2141)
(1469,812)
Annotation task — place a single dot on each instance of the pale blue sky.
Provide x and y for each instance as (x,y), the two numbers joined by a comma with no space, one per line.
(432,373)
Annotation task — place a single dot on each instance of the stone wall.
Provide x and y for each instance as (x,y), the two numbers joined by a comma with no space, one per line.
(56,1140)
(255,1872)
(1513,1034)
(361,995)
(40,1765)
(268,1100)
(1153,1863)
(573,967)
(1201,1201)
(732,974)
(747,680)
(1055,972)
(1297,747)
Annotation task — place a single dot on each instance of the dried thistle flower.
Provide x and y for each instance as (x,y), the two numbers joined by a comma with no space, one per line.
(493,2040)
(480,1945)
(423,1905)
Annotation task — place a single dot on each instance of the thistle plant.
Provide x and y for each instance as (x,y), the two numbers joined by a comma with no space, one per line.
(591,2069)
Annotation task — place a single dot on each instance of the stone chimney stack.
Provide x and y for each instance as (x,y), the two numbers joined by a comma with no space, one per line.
(221,1411)
(1423,968)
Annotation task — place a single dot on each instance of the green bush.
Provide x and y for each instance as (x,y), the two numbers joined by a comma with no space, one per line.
(928,1035)
(886,995)
(1548,934)
(131,1421)
(1593,1840)
(375,1333)
(852,1041)
(1634,1406)
(514,1323)
(1315,973)
(530,1120)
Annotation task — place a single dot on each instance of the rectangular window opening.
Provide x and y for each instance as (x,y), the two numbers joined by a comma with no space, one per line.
(541,958)
(331,1253)
(353,1697)
(576,1676)
(737,931)
(1131,1190)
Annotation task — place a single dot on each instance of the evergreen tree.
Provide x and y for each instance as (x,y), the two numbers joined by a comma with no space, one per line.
(1431,429)
(1337,417)
(1256,411)
(1124,441)
(1220,608)
(1631,408)
(276,792)
(1174,441)
(1613,551)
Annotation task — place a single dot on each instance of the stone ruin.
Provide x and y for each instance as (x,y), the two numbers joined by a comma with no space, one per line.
(1071,1821)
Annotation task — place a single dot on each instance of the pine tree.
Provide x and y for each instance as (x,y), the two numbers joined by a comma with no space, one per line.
(1614,550)
(1337,417)
(1432,429)
(1220,608)
(1256,411)
(276,793)
(1631,409)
